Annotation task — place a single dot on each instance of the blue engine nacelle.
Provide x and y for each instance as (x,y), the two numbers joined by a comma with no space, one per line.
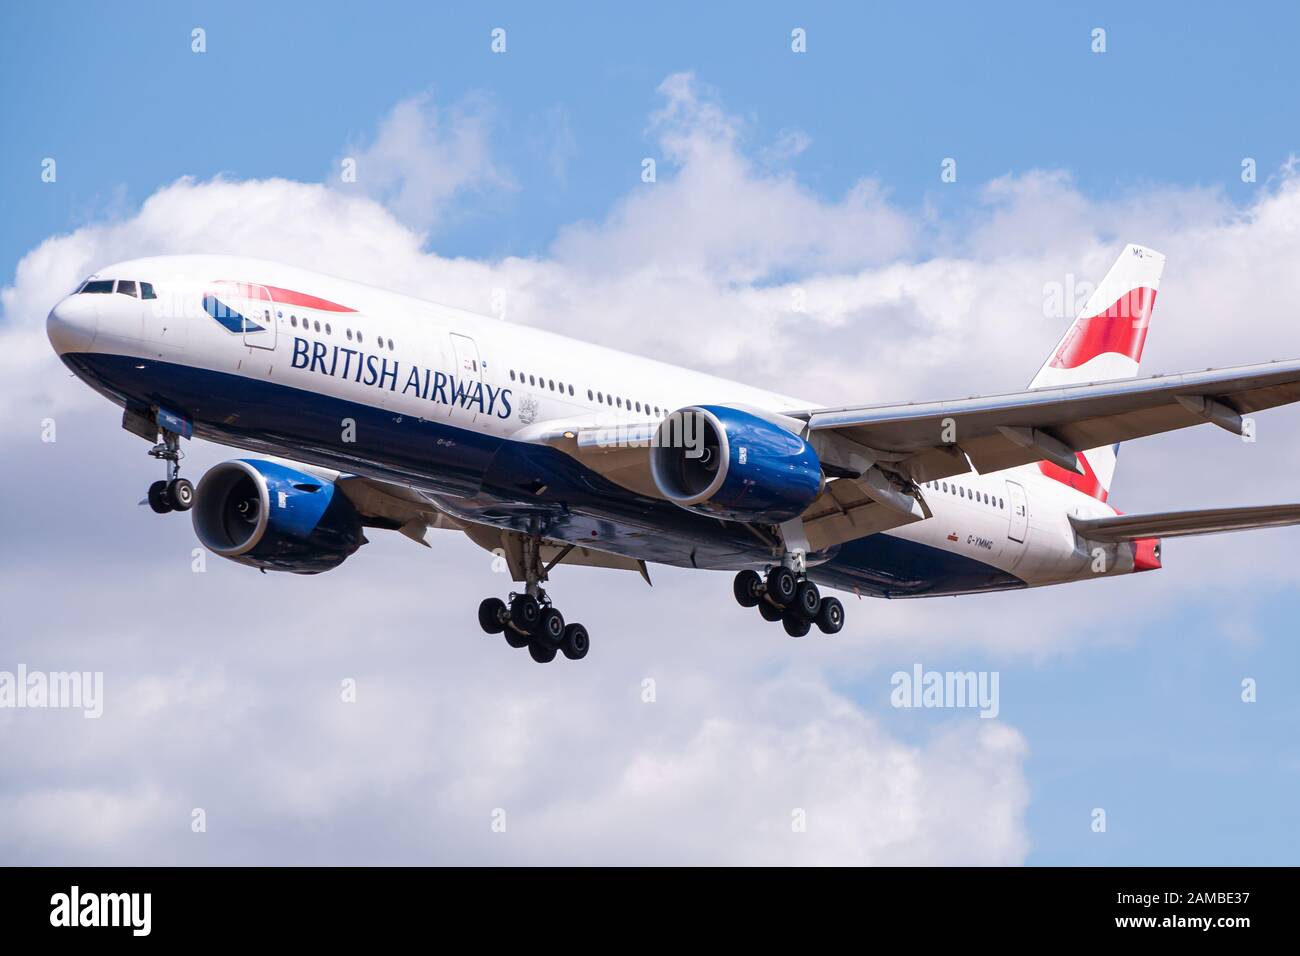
(731,464)
(269,516)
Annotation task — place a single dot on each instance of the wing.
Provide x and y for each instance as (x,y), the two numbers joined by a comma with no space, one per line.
(927,440)
(875,455)
(385,505)
(1175,524)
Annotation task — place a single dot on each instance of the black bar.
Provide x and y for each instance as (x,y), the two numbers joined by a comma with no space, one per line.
(927,905)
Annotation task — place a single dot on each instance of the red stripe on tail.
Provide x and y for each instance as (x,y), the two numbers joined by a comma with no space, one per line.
(1122,328)
(1088,482)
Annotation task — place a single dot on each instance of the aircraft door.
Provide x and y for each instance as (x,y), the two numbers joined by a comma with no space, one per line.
(1018,512)
(468,374)
(258,310)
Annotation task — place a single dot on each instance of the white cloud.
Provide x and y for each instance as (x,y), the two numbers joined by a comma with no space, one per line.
(234,706)
(424,156)
(712,212)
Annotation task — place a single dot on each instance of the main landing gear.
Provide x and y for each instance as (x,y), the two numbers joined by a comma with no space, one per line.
(175,493)
(529,619)
(791,599)
(534,623)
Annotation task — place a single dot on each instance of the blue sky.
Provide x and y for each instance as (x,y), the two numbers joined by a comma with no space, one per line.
(1142,714)
(1182,93)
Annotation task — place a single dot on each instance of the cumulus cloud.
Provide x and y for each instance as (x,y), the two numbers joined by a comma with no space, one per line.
(714,212)
(223,687)
(424,156)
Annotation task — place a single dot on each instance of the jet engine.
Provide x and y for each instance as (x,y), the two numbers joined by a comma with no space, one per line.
(273,517)
(732,464)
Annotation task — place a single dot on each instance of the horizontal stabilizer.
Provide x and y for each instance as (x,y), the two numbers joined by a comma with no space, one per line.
(1174,524)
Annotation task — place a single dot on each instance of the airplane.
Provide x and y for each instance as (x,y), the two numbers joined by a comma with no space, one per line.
(374,410)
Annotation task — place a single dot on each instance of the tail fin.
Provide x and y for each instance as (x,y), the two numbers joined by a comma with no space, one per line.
(1105,342)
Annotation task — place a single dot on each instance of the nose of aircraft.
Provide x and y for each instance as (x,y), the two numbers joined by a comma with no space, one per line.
(72,324)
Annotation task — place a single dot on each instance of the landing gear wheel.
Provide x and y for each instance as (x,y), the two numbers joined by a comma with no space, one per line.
(830,616)
(525,613)
(796,625)
(550,627)
(807,600)
(769,612)
(158,498)
(542,653)
(575,643)
(515,639)
(747,588)
(492,615)
(181,494)
(781,585)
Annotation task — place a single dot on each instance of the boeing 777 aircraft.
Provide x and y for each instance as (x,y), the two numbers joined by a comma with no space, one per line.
(384,411)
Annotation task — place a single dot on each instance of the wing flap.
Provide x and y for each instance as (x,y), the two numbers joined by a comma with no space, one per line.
(1174,524)
(845,511)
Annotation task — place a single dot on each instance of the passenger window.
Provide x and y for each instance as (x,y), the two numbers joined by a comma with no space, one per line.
(570,390)
(327,328)
(146,290)
(293,320)
(126,287)
(99,286)
(358,335)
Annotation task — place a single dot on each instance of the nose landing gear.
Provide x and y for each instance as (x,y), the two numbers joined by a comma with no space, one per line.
(790,598)
(175,493)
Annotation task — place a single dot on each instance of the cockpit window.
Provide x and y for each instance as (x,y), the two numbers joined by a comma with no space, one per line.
(143,290)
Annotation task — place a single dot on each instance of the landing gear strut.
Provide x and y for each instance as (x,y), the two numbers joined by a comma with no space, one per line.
(529,619)
(175,493)
(786,595)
